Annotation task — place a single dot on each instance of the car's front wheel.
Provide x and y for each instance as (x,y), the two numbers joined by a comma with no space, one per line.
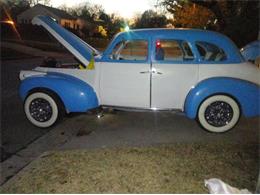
(218,113)
(42,109)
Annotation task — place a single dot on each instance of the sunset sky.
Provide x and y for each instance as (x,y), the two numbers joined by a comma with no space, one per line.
(125,8)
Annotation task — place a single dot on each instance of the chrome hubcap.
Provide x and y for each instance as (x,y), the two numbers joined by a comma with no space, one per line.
(40,110)
(219,114)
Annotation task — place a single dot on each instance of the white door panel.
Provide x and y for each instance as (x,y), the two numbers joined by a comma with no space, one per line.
(122,84)
(170,88)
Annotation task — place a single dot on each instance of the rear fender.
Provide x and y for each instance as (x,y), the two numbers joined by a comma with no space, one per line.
(76,95)
(244,92)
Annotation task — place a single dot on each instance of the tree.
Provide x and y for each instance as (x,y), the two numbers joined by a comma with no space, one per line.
(173,6)
(87,11)
(105,17)
(111,23)
(150,19)
(118,24)
(190,15)
(12,8)
(234,18)
(74,11)
(102,31)
(96,10)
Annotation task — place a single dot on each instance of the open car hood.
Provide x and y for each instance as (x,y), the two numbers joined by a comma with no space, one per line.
(80,49)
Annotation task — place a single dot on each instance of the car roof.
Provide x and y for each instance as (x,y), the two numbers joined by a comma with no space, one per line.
(171,32)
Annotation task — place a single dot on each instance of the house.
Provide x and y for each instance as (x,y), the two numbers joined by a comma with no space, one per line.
(83,27)
(60,16)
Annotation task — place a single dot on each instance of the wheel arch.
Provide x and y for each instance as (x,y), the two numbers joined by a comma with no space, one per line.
(49,92)
(76,95)
(246,95)
(225,94)
(217,124)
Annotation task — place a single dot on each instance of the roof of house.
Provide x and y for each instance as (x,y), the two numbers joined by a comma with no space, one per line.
(60,13)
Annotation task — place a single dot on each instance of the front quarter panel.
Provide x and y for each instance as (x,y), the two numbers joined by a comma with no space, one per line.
(244,92)
(76,95)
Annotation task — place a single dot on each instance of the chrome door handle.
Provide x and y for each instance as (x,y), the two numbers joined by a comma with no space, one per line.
(151,71)
(145,72)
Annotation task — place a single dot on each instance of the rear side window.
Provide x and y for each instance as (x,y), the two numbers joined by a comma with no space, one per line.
(210,52)
(173,50)
(136,50)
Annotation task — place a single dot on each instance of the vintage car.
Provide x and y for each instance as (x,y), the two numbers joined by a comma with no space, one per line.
(198,72)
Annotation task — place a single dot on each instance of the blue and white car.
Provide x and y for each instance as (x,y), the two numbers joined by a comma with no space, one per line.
(198,72)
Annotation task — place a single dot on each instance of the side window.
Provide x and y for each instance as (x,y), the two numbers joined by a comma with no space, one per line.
(173,50)
(130,50)
(210,52)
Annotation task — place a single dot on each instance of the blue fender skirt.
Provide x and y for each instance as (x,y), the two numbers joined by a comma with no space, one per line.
(76,95)
(247,94)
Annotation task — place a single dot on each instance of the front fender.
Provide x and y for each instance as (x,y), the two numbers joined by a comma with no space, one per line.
(244,92)
(76,95)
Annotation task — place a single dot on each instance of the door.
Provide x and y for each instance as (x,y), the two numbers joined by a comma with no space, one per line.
(121,81)
(174,73)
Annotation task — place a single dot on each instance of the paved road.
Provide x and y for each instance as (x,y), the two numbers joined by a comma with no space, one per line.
(16,131)
(30,50)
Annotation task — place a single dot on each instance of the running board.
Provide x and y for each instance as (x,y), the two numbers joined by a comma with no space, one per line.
(141,109)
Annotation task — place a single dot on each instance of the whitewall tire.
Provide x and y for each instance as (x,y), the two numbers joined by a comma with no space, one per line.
(42,109)
(218,113)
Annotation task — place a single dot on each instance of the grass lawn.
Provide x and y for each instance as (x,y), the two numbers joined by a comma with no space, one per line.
(178,168)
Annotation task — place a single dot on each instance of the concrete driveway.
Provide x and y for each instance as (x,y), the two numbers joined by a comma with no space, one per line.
(148,128)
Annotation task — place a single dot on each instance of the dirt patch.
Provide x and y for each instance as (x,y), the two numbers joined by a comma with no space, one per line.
(83,132)
(178,168)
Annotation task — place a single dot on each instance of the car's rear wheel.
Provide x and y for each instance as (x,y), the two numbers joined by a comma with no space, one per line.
(43,109)
(218,113)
